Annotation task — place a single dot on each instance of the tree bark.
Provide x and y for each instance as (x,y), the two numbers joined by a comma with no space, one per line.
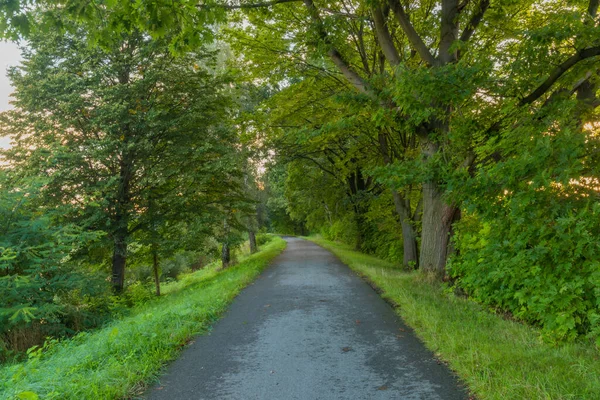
(386,43)
(360,221)
(252,240)
(122,203)
(449,31)
(411,34)
(121,227)
(436,224)
(436,228)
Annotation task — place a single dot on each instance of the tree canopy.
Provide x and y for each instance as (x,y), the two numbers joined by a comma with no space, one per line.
(457,137)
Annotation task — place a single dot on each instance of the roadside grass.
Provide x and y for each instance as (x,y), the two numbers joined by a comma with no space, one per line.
(114,362)
(496,358)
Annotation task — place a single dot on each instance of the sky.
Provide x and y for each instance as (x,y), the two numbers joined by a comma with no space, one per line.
(9,56)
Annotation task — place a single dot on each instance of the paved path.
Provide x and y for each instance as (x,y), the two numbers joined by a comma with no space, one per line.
(307,329)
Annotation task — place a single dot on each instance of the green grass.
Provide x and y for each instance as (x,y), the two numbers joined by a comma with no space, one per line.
(495,357)
(114,362)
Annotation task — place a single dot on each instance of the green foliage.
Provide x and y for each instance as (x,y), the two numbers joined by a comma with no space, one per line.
(264,238)
(187,24)
(112,362)
(138,293)
(43,292)
(121,149)
(531,245)
(131,141)
(547,274)
(342,230)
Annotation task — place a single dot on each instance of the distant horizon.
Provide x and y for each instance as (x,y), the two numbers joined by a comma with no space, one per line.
(10,55)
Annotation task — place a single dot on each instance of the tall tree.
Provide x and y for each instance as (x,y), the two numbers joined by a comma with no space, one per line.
(112,128)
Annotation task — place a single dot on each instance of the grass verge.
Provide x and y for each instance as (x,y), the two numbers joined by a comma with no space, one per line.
(496,358)
(115,361)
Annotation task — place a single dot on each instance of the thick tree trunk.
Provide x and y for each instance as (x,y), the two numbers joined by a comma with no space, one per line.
(118,261)
(252,240)
(409,236)
(437,221)
(436,229)
(155,269)
(225,255)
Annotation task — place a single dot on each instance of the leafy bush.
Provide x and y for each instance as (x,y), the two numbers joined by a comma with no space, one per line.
(43,291)
(547,274)
(263,238)
(139,293)
(531,244)
(342,230)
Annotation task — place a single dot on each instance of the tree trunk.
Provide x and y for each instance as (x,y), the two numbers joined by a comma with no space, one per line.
(403,209)
(252,240)
(225,255)
(436,229)
(155,269)
(120,224)
(118,262)
(409,236)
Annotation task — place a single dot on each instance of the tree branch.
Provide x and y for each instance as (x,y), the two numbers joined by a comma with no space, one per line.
(475,20)
(340,13)
(344,66)
(383,36)
(558,72)
(449,31)
(463,4)
(257,5)
(593,8)
(413,37)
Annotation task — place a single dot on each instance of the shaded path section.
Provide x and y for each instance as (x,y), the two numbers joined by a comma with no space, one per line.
(307,329)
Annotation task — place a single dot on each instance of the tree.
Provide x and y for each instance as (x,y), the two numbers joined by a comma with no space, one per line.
(120,133)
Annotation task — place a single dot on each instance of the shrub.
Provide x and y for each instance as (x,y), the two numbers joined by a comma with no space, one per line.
(544,271)
(263,238)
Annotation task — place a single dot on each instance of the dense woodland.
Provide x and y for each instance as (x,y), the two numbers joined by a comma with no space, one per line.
(459,138)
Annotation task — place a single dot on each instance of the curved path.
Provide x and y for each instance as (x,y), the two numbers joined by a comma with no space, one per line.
(307,329)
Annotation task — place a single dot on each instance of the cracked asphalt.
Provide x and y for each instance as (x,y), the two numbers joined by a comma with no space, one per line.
(308,328)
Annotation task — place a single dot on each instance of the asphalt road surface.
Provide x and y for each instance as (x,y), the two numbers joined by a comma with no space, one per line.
(307,329)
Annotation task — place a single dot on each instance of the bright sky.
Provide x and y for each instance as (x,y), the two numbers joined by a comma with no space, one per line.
(9,55)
